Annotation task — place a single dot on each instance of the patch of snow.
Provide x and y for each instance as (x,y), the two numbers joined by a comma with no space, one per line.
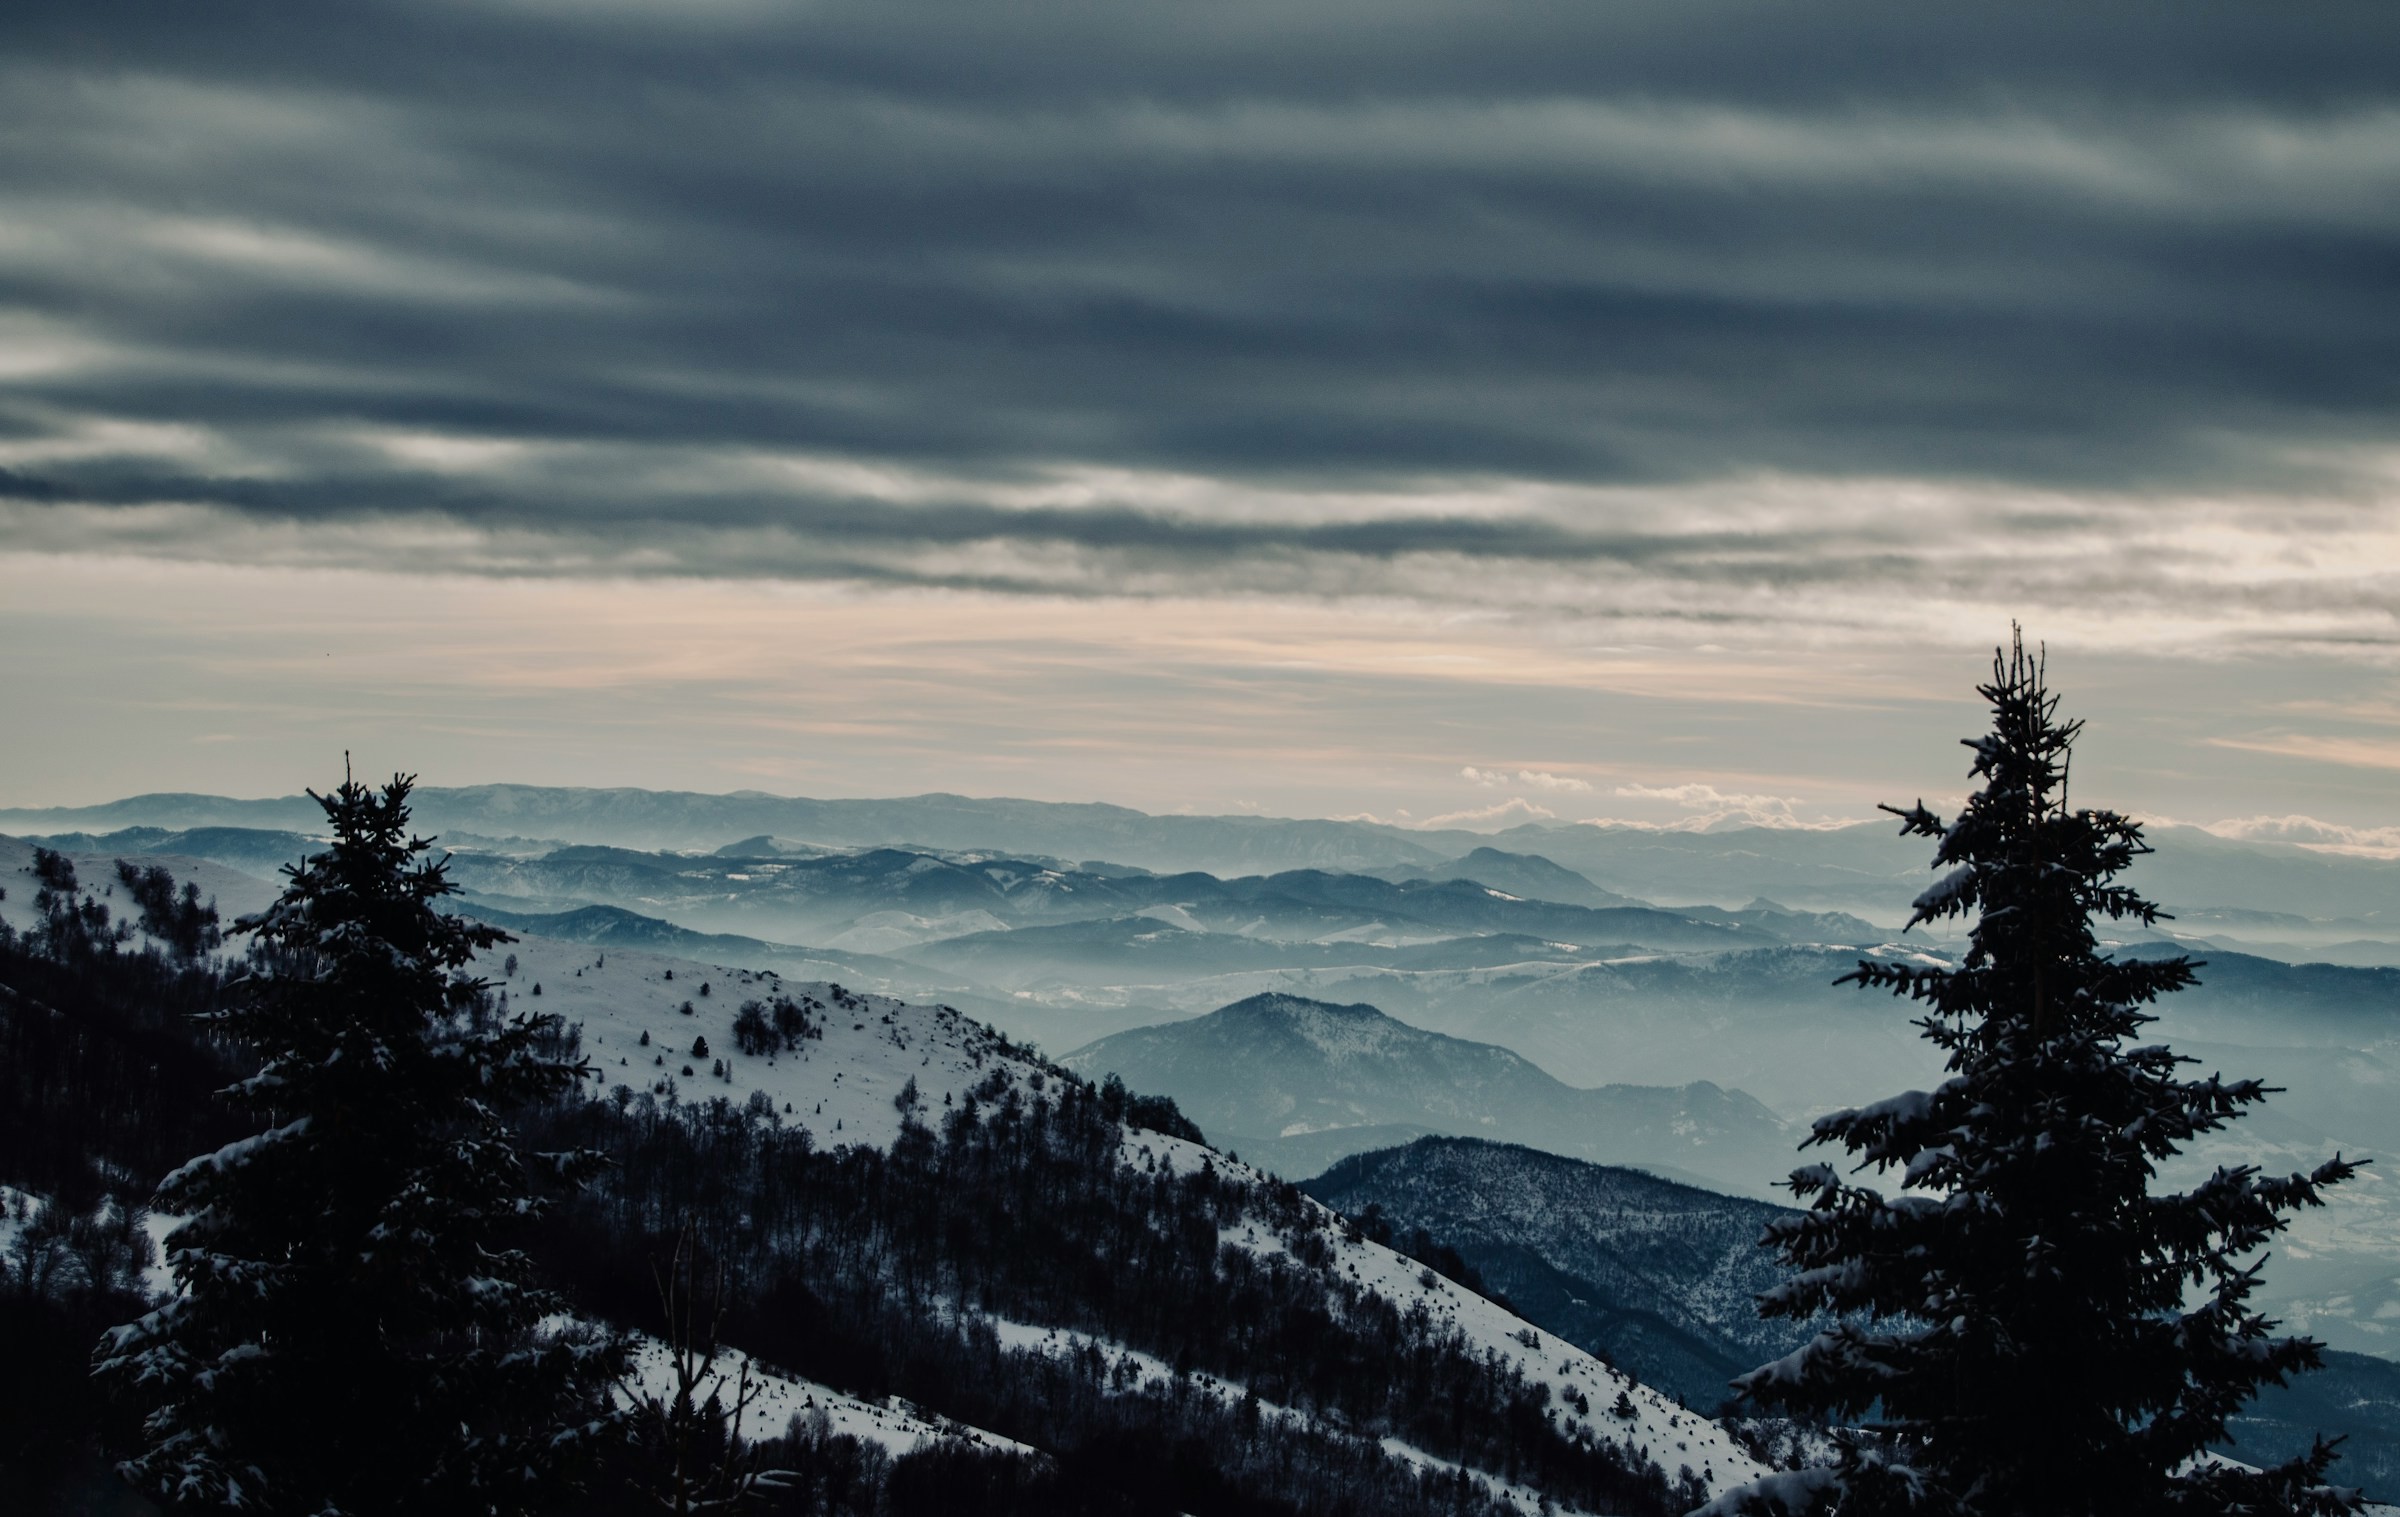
(893,1425)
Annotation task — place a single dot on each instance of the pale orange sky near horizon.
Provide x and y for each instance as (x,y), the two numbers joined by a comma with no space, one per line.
(133,675)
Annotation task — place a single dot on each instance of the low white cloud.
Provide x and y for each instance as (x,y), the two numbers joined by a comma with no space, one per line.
(2309,832)
(1530,779)
(1543,779)
(1515,809)
(1710,807)
(1699,797)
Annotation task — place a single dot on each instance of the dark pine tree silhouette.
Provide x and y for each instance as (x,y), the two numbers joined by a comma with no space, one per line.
(354,1333)
(2035,1330)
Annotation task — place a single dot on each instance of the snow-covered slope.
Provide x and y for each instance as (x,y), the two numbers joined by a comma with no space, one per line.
(1663,1278)
(778,1400)
(234,892)
(1659,1428)
(844,1087)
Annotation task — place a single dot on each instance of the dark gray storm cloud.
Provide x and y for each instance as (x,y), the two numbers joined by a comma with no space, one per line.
(852,288)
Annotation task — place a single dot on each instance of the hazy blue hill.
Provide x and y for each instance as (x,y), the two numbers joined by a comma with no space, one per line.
(813,897)
(2240,994)
(1465,905)
(1263,1072)
(1525,874)
(1497,949)
(1659,1277)
(1144,950)
(1063,830)
(1774,1022)
(615,927)
(1131,950)
(1782,921)
(816,896)
(1769,1021)
(1869,869)
(173,811)
(1866,868)
(2193,870)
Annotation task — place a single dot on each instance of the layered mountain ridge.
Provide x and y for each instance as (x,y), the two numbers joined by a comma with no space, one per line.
(1296,1084)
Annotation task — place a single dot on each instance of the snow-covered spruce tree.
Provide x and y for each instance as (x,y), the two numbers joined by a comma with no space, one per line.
(2035,1332)
(352,1334)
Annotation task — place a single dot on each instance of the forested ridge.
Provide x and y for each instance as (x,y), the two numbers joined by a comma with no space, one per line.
(876,1273)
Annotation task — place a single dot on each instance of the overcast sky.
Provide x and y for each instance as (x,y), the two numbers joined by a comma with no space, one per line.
(1599,409)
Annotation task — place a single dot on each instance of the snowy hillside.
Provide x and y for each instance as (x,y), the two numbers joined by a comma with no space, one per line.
(780,1400)
(843,1084)
(234,891)
(1662,1278)
(847,1087)
(1583,1389)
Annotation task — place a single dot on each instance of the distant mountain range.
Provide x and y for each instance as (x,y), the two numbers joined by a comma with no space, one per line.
(1296,1084)
(1864,868)
(893,896)
(688,820)
(1774,1022)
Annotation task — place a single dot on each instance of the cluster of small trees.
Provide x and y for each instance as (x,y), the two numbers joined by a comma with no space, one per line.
(761,1028)
(180,921)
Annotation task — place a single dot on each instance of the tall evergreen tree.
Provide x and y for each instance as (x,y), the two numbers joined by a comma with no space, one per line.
(353,1333)
(2039,1334)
